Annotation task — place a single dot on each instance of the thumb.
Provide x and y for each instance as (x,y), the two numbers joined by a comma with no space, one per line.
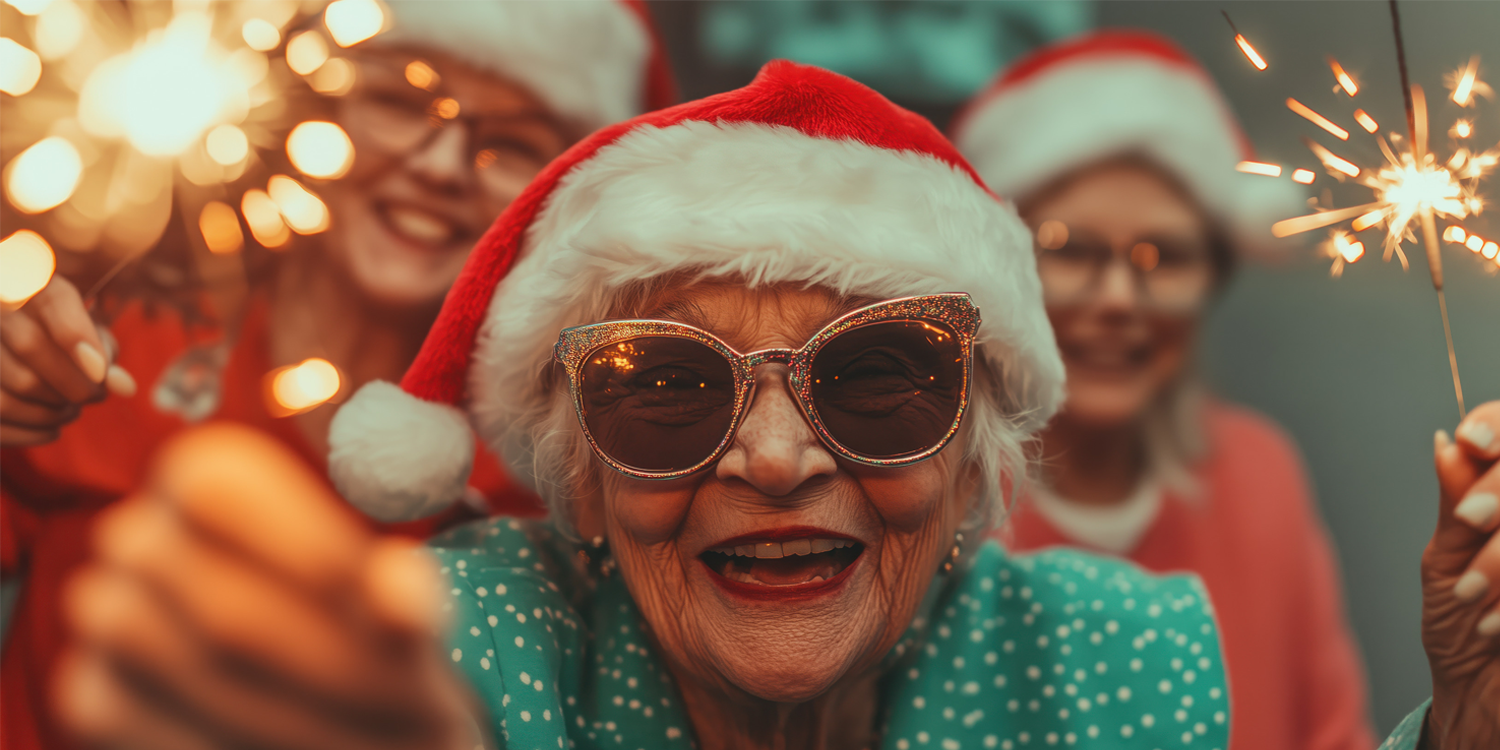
(1465,518)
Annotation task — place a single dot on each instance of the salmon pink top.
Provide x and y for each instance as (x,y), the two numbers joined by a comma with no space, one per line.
(51,495)
(1253,535)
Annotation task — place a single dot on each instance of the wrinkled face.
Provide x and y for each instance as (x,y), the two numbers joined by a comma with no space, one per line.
(1125,325)
(781,569)
(441,149)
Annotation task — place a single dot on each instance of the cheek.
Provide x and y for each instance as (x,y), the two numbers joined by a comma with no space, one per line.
(647,513)
(1172,340)
(910,498)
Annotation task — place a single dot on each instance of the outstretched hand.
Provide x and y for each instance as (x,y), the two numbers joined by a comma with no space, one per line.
(234,603)
(1461,588)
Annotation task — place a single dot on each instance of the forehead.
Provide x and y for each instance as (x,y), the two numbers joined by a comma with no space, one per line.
(1121,197)
(773,316)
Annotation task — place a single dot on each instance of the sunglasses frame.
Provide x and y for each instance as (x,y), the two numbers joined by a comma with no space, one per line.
(956,311)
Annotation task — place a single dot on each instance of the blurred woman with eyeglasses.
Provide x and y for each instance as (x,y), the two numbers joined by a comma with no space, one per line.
(1120,153)
(453,111)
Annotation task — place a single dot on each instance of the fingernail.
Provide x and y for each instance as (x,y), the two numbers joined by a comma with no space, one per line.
(1471,586)
(1478,510)
(1490,625)
(91,361)
(1441,440)
(119,382)
(1478,433)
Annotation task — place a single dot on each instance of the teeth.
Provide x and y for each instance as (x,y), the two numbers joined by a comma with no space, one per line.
(773,550)
(797,547)
(420,225)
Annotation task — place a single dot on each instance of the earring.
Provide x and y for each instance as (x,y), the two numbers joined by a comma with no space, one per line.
(958,541)
(599,556)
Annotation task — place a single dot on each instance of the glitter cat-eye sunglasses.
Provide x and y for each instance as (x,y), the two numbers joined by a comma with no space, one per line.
(885,385)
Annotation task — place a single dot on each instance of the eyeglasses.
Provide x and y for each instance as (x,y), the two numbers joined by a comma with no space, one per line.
(403,111)
(1172,274)
(885,385)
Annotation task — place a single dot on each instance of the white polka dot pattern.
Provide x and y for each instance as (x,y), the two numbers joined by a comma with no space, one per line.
(1058,649)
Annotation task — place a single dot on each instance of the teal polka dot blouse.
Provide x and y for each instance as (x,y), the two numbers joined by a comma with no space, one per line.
(1055,649)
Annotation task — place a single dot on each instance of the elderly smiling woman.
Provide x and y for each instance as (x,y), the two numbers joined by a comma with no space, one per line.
(772,430)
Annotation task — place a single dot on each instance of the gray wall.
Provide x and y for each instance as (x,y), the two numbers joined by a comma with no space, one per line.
(1355,368)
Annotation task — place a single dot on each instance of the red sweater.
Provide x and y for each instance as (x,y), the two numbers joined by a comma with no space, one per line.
(50,496)
(1295,678)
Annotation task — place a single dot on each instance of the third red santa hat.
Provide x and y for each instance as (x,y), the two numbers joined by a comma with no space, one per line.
(594,62)
(803,176)
(1123,92)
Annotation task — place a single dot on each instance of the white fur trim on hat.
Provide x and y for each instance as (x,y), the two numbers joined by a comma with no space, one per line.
(1092,108)
(584,58)
(397,457)
(710,197)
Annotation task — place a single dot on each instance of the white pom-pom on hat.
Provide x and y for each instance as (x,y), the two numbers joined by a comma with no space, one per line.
(397,457)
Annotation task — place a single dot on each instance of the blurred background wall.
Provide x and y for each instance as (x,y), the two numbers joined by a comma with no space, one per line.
(1354,368)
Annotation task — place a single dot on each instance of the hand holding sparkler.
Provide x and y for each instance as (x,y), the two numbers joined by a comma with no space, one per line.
(1461,588)
(54,361)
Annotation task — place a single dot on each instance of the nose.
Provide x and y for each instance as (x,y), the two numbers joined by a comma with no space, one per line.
(775,450)
(1118,289)
(441,165)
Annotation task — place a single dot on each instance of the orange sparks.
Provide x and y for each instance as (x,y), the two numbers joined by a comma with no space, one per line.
(1367,220)
(1349,250)
(1490,250)
(1350,87)
(1304,176)
(1462,129)
(1317,119)
(1289,227)
(1474,243)
(1366,121)
(1330,160)
(1455,233)
(1463,93)
(1256,167)
(1250,53)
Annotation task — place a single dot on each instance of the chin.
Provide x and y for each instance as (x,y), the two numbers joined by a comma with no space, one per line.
(778,671)
(1105,407)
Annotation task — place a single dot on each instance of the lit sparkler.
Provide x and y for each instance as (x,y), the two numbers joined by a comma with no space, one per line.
(1411,189)
(121,114)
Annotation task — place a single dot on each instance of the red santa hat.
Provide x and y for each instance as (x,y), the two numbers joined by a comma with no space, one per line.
(1117,92)
(594,62)
(803,176)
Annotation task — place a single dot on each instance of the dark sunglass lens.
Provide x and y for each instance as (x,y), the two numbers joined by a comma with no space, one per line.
(889,389)
(657,403)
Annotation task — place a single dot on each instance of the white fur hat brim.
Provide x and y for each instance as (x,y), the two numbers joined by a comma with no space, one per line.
(584,58)
(852,217)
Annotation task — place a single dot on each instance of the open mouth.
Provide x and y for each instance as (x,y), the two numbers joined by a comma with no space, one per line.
(416,225)
(785,563)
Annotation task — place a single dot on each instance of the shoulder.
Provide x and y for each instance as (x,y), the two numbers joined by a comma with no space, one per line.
(514,633)
(1242,435)
(1061,645)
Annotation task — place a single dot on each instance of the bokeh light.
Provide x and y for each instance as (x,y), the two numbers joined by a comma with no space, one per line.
(43,176)
(163,95)
(221,228)
(421,75)
(260,34)
(59,29)
(353,21)
(264,219)
(320,149)
(305,385)
(304,212)
(334,78)
(28,7)
(26,265)
(227,145)
(306,52)
(19,68)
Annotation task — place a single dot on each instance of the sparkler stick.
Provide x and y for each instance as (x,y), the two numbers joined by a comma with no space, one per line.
(1416,123)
